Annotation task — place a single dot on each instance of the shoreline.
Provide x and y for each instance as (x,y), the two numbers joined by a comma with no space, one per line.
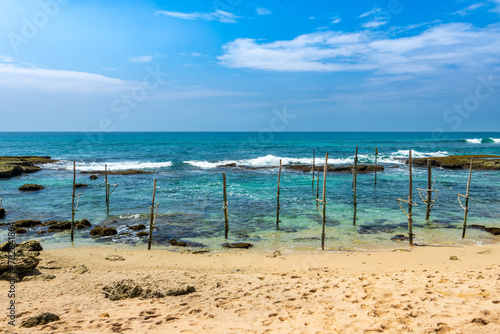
(421,290)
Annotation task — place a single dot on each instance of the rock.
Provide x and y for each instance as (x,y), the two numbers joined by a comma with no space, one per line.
(56,226)
(23,263)
(41,232)
(244,245)
(180,291)
(115,258)
(400,237)
(20,230)
(175,242)
(9,171)
(492,230)
(275,254)
(142,234)
(2,213)
(29,246)
(81,269)
(27,223)
(14,166)
(234,164)
(237,271)
(127,288)
(103,231)
(81,185)
(7,246)
(481,162)
(38,278)
(84,223)
(118,172)
(41,319)
(30,187)
(454,258)
(49,264)
(93,177)
(139,227)
(337,169)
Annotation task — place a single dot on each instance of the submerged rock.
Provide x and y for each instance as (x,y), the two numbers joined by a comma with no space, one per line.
(20,230)
(2,213)
(41,319)
(142,234)
(175,242)
(481,162)
(93,177)
(103,231)
(81,185)
(492,230)
(118,172)
(400,237)
(55,226)
(27,223)
(138,227)
(31,187)
(244,245)
(84,223)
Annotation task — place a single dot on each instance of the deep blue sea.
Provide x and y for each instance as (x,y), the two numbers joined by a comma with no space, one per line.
(189,188)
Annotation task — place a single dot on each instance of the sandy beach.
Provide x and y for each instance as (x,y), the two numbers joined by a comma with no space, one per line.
(395,291)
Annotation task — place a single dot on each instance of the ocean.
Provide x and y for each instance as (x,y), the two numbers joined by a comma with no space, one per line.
(189,188)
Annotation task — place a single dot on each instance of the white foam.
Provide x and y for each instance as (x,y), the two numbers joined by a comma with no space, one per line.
(99,166)
(474,141)
(496,140)
(416,154)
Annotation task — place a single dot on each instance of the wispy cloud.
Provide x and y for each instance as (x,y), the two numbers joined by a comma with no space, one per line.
(446,46)
(375,10)
(263,11)
(6,59)
(140,59)
(497,7)
(335,20)
(468,10)
(375,23)
(218,15)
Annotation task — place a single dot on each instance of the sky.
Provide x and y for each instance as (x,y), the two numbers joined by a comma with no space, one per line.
(239,65)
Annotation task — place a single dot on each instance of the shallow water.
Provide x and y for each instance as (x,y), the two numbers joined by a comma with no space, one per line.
(190,188)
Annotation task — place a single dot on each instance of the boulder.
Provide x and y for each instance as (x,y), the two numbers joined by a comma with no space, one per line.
(2,213)
(8,246)
(400,237)
(142,234)
(84,223)
(41,319)
(180,243)
(93,177)
(99,231)
(244,245)
(139,227)
(29,246)
(81,185)
(56,226)
(27,223)
(20,230)
(30,187)
(22,263)
(492,230)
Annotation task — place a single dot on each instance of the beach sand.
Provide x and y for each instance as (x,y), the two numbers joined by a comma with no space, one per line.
(393,291)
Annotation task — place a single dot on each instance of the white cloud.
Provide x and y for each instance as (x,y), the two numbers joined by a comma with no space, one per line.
(263,11)
(468,10)
(6,59)
(375,23)
(15,76)
(335,20)
(446,46)
(218,15)
(140,59)
(375,10)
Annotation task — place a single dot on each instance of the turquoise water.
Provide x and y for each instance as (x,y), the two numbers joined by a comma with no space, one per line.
(190,188)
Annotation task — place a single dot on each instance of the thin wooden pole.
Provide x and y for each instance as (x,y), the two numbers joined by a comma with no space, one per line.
(355,185)
(106,184)
(151,224)
(410,203)
(429,190)
(73,202)
(226,218)
(317,188)
(278,200)
(466,210)
(314,164)
(376,158)
(324,203)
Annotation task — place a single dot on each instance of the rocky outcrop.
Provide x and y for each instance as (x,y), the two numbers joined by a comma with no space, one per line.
(15,166)
(57,226)
(81,185)
(41,319)
(127,288)
(27,223)
(138,227)
(492,230)
(244,245)
(30,187)
(308,168)
(23,262)
(118,172)
(100,231)
(481,162)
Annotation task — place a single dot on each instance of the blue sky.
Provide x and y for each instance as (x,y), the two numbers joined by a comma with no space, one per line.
(238,65)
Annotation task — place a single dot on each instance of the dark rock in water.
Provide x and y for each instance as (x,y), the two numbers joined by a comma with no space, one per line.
(55,226)
(306,239)
(288,229)
(41,319)
(7,246)
(14,166)
(127,288)
(492,230)
(20,230)
(27,223)
(2,213)
(142,234)
(118,172)
(481,162)
(244,245)
(41,232)
(103,231)
(10,171)
(30,187)
(29,246)
(229,165)
(138,227)
(337,169)
(93,177)
(81,185)
(84,223)
(175,242)
(400,237)
(23,263)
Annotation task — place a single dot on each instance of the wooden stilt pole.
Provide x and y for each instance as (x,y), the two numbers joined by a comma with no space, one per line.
(355,185)
(314,165)
(317,188)
(226,218)
(153,217)
(73,202)
(324,204)
(278,200)
(410,204)
(466,207)
(429,190)
(376,158)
